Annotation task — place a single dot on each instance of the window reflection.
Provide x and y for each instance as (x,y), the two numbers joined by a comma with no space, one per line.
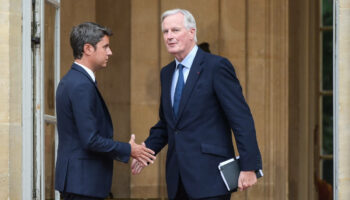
(328,171)
(327,121)
(49,161)
(49,101)
(327,12)
(49,72)
(326,98)
(327,60)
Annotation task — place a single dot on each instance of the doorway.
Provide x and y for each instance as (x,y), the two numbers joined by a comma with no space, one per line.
(46,65)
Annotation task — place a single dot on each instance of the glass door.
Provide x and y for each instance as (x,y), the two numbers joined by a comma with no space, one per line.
(47,73)
(324,166)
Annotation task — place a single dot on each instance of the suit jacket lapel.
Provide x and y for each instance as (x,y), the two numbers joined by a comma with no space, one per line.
(80,69)
(192,78)
(168,78)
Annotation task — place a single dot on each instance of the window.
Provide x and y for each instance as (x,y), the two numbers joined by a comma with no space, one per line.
(47,72)
(326,92)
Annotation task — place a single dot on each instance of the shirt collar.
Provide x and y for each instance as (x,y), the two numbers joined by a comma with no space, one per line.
(187,62)
(89,71)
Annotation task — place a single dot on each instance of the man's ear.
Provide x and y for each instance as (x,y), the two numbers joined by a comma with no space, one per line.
(88,49)
(193,32)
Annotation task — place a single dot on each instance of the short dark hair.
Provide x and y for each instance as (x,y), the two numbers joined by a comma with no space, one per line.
(86,33)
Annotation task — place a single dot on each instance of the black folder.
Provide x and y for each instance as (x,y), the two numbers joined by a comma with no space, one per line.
(230,170)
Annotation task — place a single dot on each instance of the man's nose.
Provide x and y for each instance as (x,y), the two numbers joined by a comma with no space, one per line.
(109,52)
(170,35)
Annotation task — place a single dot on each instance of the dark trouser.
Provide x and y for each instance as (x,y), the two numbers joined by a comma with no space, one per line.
(182,195)
(71,196)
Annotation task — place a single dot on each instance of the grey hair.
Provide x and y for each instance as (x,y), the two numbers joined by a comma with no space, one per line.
(189,21)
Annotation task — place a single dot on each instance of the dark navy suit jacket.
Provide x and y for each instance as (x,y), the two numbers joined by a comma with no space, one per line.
(212,104)
(86,149)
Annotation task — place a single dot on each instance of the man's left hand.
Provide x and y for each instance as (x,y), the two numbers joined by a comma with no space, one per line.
(246,179)
(136,167)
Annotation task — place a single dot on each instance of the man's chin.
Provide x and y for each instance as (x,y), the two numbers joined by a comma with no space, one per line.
(102,66)
(172,51)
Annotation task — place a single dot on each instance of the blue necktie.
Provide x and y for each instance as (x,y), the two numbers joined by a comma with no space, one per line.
(178,90)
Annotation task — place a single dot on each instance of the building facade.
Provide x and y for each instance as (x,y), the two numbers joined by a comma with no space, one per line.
(298,96)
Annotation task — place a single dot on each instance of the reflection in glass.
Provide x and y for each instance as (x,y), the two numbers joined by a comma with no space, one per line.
(49,101)
(49,161)
(327,12)
(49,82)
(327,124)
(327,172)
(326,163)
(327,60)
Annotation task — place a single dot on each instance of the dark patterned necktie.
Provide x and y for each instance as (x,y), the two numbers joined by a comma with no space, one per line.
(178,90)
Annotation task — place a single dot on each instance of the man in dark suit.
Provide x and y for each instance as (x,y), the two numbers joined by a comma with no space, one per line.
(201,102)
(86,149)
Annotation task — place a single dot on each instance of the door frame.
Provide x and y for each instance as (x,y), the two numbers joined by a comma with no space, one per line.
(33,93)
(27,103)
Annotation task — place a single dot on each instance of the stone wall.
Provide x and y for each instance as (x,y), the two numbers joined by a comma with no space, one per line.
(10,99)
(256,36)
(342,110)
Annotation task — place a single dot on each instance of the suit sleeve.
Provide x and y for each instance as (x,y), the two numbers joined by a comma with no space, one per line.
(158,137)
(84,100)
(237,112)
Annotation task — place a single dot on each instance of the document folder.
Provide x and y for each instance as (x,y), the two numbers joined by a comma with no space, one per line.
(230,170)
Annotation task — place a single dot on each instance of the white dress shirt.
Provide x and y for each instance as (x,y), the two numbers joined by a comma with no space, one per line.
(187,63)
(89,71)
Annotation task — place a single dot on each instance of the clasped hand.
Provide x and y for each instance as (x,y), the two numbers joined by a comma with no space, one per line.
(141,153)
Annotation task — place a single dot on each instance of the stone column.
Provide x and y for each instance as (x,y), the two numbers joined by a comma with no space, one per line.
(115,82)
(342,100)
(4,98)
(10,99)
(254,36)
(303,97)
(71,16)
(145,89)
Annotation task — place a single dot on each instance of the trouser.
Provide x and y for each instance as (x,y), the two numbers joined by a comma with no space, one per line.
(182,194)
(71,196)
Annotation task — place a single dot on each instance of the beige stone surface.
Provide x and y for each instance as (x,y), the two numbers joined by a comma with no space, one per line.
(4,70)
(4,5)
(73,13)
(4,189)
(266,92)
(15,165)
(343,109)
(303,101)
(4,98)
(258,88)
(145,88)
(115,81)
(15,100)
(4,162)
(233,37)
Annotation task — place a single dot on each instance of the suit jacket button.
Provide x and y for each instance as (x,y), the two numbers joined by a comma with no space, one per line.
(176,132)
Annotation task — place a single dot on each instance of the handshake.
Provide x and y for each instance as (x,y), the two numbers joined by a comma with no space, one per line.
(141,155)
